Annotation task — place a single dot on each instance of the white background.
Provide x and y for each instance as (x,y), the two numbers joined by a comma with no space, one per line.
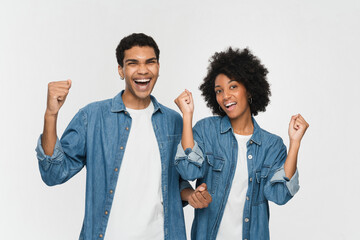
(311,49)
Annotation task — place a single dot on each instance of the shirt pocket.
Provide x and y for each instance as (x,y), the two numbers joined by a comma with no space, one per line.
(261,179)
(216,165)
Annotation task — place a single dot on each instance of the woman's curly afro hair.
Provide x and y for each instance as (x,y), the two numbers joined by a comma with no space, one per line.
(243,67)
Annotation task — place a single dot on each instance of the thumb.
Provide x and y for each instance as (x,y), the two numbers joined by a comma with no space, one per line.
(202,187)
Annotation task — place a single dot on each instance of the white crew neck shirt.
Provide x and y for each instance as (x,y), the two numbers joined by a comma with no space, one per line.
(137,209)
(232,220)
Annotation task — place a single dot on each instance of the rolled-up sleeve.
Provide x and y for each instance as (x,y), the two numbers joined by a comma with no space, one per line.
(44,160)
(193,155)
(278,188)
(189,162)
(292,184)
(69,154)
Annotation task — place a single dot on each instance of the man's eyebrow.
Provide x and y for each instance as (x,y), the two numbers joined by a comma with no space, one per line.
(151,59)
(131,60)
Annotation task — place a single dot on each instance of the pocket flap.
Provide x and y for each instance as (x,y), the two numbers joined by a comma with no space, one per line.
(263,173)
(217,163)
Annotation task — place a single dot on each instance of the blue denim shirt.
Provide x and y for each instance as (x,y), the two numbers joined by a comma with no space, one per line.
(96,138)
(213,161)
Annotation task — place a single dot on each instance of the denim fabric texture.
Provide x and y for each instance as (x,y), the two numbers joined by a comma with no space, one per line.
(213,161)
(96,138)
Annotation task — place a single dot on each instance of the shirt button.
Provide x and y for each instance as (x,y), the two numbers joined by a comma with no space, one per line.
(247,198)
(106,212)
(116,169)
(125,112)
(127,128)
(251,141)
(100,235)
(121,147)
(250,156)
(250,179)
(111,191)
(246,220)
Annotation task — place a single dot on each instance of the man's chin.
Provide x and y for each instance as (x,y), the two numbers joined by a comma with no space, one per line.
(143,94)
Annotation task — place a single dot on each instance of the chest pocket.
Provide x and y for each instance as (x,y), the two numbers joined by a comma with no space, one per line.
(261,179)
(216,165)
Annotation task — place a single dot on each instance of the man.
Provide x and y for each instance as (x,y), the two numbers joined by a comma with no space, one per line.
(126,143)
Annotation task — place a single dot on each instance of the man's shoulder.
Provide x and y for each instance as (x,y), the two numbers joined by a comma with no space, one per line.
(170,112)
(98,106)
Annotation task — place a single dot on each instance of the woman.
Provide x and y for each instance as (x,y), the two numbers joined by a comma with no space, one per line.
(243,165)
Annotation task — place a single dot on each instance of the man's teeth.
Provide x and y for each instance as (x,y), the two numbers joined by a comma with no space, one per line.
(230,104)
(142,80)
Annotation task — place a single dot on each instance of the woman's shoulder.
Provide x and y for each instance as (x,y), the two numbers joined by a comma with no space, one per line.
(208,121)
(270,139)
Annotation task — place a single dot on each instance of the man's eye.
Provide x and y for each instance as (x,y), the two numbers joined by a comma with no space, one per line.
(232,86)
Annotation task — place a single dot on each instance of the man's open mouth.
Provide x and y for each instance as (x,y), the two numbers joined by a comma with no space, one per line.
(142,82)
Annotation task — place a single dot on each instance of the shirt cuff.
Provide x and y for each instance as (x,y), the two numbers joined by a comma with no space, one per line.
(184,184)
(57,155)
(194,155)
(292,184)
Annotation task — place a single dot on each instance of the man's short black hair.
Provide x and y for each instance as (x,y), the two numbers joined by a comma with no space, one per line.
(243,67)
(135,39)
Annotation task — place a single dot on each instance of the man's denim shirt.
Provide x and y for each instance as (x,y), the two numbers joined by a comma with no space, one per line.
(96,138)
(213,161)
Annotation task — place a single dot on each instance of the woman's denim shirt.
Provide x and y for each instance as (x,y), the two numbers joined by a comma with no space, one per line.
(96,138)
(213,161)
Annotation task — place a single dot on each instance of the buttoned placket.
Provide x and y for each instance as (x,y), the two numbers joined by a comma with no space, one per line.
(116,168)
(247,212)
(163,168)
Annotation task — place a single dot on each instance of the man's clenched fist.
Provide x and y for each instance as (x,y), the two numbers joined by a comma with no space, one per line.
(198,198)
(57,92)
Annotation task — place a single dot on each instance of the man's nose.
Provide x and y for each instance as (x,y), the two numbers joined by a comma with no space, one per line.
(143,69)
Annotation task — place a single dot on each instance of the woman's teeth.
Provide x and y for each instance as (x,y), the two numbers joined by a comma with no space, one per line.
(229,104)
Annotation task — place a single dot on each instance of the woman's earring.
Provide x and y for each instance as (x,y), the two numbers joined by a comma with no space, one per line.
(220,109)
(250,100)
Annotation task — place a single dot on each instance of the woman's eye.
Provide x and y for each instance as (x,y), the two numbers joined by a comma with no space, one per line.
(217,91)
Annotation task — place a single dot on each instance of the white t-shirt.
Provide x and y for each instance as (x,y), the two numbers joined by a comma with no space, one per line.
(232,220)
(137,209)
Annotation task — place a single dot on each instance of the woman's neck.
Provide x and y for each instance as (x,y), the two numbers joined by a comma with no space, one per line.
(243,125)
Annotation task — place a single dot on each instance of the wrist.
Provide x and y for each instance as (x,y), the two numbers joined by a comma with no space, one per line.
(188,116)
(50,115)
(186,193)
(294,144)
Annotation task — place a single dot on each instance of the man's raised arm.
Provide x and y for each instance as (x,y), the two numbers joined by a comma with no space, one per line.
(57,93)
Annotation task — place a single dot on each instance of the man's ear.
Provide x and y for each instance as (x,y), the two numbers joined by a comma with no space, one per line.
(121,72)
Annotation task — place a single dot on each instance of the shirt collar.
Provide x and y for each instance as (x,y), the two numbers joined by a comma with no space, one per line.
(119,106)
(225,125)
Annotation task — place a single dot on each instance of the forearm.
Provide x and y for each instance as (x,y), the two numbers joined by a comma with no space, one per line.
(49,136)
(186,193)
(187,139)
(291,160)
